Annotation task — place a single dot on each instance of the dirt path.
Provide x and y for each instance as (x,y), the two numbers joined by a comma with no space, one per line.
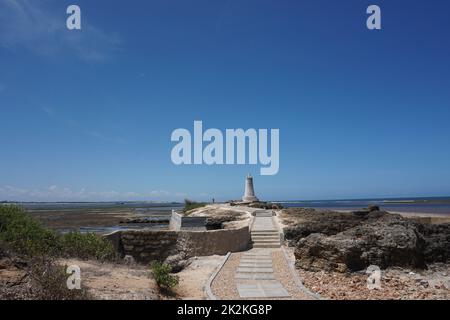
(135,282)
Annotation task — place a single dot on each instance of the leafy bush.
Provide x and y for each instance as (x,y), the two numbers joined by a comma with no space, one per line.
(25,235)
(190,205)
(85,246)
(162,276)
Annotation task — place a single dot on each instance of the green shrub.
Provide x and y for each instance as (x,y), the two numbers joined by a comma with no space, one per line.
(24,234)
(190,205)
(162,276)
(86,246)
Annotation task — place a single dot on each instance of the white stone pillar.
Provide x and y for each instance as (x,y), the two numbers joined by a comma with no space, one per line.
(249,195)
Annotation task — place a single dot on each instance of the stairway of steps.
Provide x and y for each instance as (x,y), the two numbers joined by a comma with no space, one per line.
(266,239)
(264,233)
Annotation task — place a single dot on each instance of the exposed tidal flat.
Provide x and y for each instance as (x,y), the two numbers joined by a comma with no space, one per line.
(101,217)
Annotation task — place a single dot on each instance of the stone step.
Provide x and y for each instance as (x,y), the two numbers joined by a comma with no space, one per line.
(263,214)
(256,239)
(256,266)
(251,264)
(259,254)
(266,245)
(264,232)
(254,270)
(257,260)
(265,240)
(265,236)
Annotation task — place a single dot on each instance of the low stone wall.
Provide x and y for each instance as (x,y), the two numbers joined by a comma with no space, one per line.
(180,222)
(149,245)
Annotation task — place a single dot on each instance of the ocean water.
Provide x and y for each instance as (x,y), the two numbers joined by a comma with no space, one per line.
(432,205)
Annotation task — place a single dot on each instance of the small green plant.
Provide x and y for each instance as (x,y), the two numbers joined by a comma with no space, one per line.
(190,205)
(86,246)
(162,276)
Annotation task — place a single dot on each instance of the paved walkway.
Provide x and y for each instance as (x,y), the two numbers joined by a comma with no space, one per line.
(254,277)
(263,272)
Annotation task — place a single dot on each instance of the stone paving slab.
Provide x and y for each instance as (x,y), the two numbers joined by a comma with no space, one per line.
(255,270)
(263,223)
(257,255)
(262,290)
(254,276)
(258,260)
(255,265)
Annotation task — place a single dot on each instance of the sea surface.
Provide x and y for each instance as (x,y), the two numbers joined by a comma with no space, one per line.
(431,205)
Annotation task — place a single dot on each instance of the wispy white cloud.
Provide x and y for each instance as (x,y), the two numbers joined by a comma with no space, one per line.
(56,193)
(36,26)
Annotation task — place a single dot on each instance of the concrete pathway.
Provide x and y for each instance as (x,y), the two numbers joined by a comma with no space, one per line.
(254,277)
(264,232)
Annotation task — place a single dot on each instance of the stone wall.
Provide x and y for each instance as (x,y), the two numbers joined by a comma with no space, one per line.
(180,222)
(148,245)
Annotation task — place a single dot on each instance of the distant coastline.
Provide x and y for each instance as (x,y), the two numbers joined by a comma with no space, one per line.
(419,205)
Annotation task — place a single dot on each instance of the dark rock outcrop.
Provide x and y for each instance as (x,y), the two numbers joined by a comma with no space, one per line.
(388,241)
(327,222)
(178,262)
(349,241)
(265,205)
(437,241)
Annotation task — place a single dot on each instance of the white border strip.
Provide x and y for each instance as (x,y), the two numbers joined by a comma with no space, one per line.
(297,279)
(208,291)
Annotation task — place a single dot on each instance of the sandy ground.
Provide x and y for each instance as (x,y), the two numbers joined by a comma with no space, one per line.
(134,282)
(223,285)
(243,213)
(396,284)
(193,279)
(116,281)
(432,218)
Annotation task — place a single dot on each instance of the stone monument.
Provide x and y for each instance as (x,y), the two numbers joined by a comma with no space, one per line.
(249,195)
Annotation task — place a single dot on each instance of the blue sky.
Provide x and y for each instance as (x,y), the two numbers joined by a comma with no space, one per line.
(87,115)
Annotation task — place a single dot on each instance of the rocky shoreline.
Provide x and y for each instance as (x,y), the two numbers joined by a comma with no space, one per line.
(333,250)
